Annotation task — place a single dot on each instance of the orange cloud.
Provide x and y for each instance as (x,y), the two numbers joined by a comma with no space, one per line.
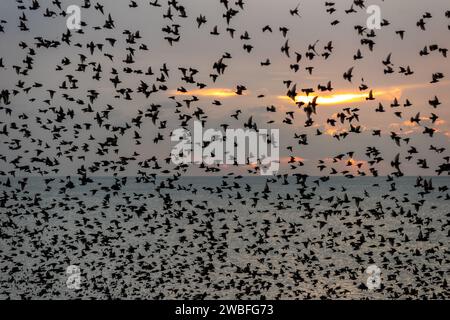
(409,124)
(331,131)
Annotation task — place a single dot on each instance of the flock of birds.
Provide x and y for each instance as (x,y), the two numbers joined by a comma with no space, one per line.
(157,235)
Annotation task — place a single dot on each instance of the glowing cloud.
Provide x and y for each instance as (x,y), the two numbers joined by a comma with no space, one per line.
(342,98)
(334,99)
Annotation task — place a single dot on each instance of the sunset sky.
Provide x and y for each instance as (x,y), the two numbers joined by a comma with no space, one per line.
(200,50)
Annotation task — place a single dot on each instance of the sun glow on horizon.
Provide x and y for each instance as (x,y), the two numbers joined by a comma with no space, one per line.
(341,98)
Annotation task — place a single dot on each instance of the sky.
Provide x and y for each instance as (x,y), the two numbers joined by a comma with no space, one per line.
(199,49)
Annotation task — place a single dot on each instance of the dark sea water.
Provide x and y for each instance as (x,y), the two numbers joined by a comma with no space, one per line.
(215,238)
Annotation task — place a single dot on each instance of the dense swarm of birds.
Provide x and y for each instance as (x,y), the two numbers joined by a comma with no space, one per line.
(151,234)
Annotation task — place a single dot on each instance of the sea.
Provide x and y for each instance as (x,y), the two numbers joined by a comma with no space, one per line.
(226,237)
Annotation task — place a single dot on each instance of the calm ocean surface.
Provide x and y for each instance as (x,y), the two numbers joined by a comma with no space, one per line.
(208,237)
